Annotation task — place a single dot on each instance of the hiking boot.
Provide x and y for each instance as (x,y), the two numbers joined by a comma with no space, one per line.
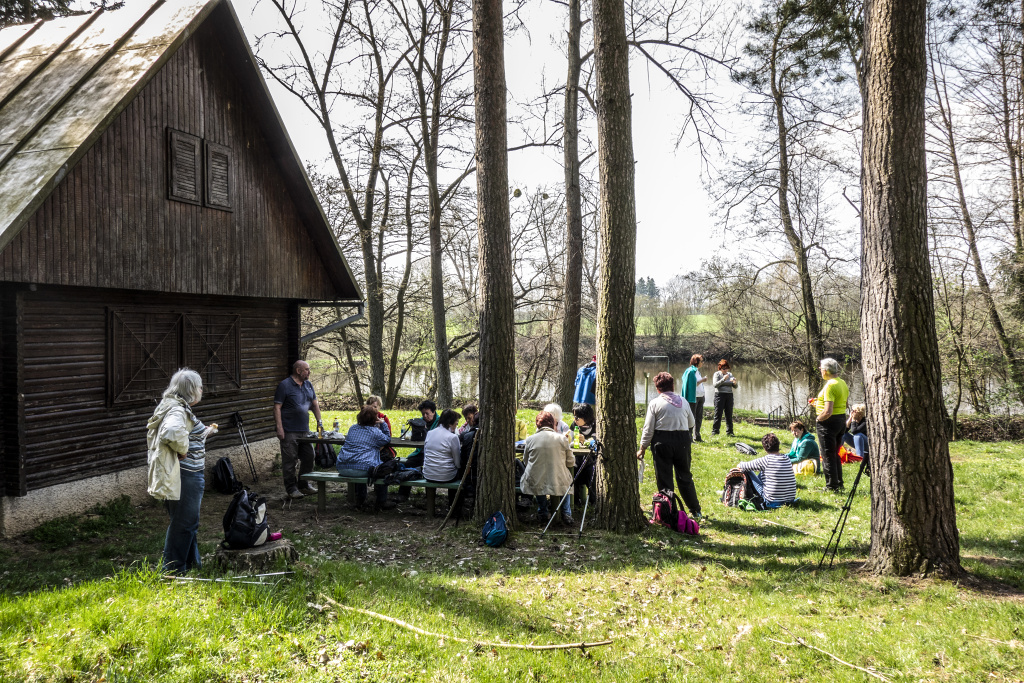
(567,520)
(295,494)
(307,490)
(696,516)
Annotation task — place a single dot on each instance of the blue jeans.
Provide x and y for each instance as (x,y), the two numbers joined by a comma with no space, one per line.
(181,548)
(380,491)
(542,504)
(755,479)
(859,442)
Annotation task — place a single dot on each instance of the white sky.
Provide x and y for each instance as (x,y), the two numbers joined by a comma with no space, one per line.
(673,208)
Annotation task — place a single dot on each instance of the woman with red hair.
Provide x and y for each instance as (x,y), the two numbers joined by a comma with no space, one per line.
(667,430)
(549,462)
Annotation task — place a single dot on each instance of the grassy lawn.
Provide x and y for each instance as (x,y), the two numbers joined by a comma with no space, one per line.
(79,600)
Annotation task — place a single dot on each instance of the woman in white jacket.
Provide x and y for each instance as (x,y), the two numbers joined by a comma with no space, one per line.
(173,479)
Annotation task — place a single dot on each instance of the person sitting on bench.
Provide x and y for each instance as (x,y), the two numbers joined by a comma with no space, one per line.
(584,421)
(771,474)
(804,448)
(549,463)
(428,410)
(361,453)
(442,453)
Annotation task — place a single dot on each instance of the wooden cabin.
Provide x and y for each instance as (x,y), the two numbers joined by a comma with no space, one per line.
(153,215)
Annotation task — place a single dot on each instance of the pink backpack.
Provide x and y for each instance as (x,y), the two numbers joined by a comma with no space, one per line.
(668,512)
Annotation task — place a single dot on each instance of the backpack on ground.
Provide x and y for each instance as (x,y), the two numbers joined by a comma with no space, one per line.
(495,530)
(736,485)
(745,449)
(245,522)
(419,429)
(324,456)
(668,512)
(224,479)
(382,470)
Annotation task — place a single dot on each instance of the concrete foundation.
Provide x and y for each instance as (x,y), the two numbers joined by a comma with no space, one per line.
(21,514)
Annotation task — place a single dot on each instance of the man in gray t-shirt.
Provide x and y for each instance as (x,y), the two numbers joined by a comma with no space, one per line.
(293,400)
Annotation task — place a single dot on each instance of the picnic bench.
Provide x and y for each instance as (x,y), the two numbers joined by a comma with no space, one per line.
(430,487)
(321,479)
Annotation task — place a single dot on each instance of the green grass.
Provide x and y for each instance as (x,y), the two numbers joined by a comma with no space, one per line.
(678,608)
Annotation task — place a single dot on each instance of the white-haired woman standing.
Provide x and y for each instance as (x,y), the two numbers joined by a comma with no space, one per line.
(830,404)
(177,455)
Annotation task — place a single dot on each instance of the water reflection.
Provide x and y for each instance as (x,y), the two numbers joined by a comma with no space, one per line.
(761,387)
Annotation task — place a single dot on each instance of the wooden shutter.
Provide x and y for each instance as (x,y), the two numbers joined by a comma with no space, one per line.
(219,174)
(212,346)
(183,167)
(145,350)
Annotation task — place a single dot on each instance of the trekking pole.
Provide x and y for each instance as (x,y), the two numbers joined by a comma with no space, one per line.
(582,467)
(245,447)
(837,530)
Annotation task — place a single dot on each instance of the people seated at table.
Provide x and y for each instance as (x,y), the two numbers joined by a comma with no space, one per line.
(361,453)
(771,474)
(442,453)
(471,414)
(584,422)
(856,435)
(549,462)
(428,411)
(803,454)
(376,402)
(556,412)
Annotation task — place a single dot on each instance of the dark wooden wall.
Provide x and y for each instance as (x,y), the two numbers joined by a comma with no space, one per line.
(68,429)
(110,224)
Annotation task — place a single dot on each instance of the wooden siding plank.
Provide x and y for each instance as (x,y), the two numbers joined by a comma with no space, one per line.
(64,381)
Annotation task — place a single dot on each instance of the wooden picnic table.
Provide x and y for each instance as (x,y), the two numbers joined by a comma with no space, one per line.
(340,441)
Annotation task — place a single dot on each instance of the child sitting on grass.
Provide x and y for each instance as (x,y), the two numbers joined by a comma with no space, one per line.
(771,475)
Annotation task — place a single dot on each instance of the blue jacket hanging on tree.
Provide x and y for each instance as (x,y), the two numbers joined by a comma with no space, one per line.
(586,380)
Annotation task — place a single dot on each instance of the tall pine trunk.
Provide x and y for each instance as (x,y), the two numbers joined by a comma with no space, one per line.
(618,495)
(913,519)
(495,487)
(573,295)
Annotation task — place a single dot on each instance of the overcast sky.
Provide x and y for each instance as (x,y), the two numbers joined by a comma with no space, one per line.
(675,227)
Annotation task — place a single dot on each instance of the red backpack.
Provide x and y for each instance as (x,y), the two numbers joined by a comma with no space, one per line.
(668,514)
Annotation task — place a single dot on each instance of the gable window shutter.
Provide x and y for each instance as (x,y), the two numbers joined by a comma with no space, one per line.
(219,172)
(183,167)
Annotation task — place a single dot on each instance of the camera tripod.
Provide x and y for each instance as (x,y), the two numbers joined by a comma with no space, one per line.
(591,456)
(837,530)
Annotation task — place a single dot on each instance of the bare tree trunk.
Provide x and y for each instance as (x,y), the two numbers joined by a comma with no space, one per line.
(913,519)
(618,494)
(495,487)
(815,345)
(430,126)
(946,115)
(572,310)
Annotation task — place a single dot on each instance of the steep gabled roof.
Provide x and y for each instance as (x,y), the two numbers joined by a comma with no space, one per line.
(63,82)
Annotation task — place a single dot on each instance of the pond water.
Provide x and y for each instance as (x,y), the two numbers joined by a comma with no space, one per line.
(761,387)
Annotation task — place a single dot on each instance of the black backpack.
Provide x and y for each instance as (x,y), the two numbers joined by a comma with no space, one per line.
(382,470)
(402,476)
(325,456)
(245,522)
(419,429)
(224,479)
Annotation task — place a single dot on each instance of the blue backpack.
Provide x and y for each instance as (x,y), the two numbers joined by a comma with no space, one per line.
(495,530)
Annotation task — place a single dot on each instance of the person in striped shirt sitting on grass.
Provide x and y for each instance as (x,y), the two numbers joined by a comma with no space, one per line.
(771,474)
